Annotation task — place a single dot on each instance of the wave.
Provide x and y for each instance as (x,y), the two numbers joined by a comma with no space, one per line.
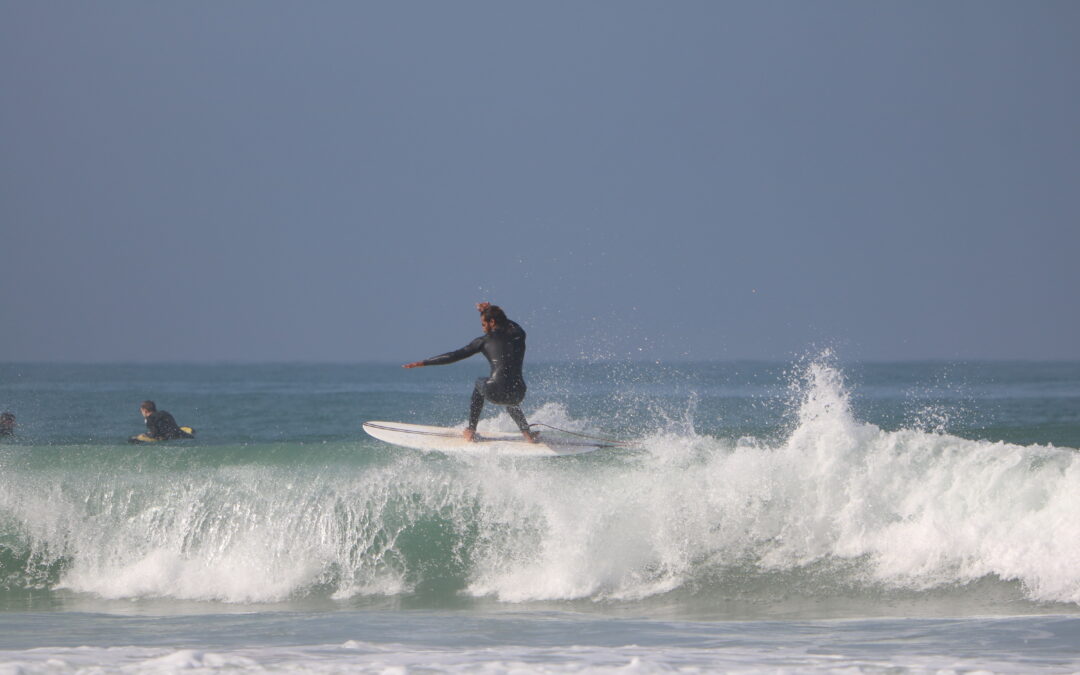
(832,506)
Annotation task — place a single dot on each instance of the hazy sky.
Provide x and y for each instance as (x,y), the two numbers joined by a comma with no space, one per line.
(342,181)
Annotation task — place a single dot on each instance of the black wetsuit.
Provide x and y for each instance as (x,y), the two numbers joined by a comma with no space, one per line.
(161,426)
(504,348)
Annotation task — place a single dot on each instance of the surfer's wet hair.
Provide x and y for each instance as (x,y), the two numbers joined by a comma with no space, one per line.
(148,406)
(494,313)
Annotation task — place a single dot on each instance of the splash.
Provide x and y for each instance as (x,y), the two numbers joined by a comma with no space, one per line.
(907,509)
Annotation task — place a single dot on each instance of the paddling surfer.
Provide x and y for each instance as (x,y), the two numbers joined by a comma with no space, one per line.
(7,424)
(160,425)
(503,344)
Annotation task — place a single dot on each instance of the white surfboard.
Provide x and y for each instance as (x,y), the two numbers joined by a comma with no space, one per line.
(448,440)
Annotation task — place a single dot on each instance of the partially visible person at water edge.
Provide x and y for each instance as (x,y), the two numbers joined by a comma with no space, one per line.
(503,344)
(7,424)
(160,425)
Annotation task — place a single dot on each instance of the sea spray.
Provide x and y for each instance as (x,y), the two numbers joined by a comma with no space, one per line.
(904,509)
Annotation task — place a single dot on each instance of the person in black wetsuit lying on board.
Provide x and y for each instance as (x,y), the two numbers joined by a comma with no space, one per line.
(7,424)
(503,343)
(160,425)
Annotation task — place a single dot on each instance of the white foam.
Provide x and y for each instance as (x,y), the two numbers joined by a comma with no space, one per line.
(790,655)
(914,509)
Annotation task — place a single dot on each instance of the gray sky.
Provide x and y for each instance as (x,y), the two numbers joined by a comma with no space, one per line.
(342,181)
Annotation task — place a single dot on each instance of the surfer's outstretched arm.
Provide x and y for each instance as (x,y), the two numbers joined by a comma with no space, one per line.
(465,352)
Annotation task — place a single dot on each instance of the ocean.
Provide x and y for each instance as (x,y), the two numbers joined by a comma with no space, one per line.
(812,516)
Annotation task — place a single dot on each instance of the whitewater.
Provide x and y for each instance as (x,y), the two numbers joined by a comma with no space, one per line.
(807,517)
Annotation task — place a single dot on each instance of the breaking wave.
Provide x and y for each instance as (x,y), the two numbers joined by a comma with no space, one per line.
(834,505)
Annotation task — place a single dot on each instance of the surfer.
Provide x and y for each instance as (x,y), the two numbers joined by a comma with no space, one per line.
(160,425)
(7,424)
(503,343)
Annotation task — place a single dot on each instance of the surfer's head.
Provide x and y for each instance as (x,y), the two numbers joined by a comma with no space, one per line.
(492,317)
(147,408)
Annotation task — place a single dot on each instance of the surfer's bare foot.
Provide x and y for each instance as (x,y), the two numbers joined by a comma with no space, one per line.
(469,435)
(531,436)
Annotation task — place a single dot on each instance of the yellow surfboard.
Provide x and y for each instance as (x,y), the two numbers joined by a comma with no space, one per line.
(143,438)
